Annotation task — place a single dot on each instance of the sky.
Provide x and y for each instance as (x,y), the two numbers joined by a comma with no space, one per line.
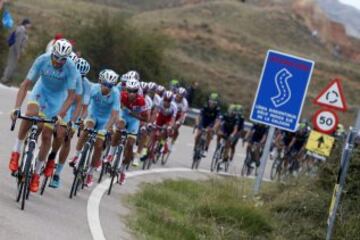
(354,3)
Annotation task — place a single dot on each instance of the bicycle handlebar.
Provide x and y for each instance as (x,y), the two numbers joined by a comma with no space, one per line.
(31,119)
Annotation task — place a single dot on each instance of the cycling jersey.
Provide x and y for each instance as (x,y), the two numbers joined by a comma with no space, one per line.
(165,114)
(101,107)
(52,84)
(228,123)
(300,140)
(287,137)
(208,116)
(182,107)
(157,99)
(86,90)
(138,105)
(78,92)
(148,103)
(241,122)
(259,131)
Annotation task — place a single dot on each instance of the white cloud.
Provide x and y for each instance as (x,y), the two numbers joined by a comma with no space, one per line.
(354,3)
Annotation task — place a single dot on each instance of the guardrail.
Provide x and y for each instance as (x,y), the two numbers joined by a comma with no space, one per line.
(193,113)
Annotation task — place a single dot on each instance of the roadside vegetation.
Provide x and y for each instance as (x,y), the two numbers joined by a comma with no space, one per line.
(223,208)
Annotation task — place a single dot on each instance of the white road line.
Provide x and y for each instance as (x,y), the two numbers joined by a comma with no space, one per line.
(93,205)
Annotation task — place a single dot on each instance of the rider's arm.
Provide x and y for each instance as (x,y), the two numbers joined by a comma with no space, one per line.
(292,142)
(113,118)
(235,131)
(78,101)
(21,94)
(69,100)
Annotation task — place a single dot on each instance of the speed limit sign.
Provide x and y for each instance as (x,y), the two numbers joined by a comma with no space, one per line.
(325,121)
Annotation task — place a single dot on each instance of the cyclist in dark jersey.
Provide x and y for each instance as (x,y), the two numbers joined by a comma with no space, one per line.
(239,112)
(257,135)
(297,147)
(229,128)
(208,118)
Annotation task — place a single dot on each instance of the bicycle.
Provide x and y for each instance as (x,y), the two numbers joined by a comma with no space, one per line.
(199,149)
(250,159)
(218,155)
(154,148)
(115,168)
(81,170)
(277,166)
(27,163)
(106,165)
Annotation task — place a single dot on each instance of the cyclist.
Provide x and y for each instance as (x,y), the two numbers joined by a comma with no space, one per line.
(174,85)
(103,112)
(208,119)
(228,129)
(256,136)
(149,105)
(164,118)
(182,108)
(297,146)
(77,109)
(51,96)
(132,112)
(240,128)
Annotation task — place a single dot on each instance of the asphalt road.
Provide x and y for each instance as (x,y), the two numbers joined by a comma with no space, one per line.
(55,216)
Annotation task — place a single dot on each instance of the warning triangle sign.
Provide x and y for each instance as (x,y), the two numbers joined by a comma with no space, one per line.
(332,96)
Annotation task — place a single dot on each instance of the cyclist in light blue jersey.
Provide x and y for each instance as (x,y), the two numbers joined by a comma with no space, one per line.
(54,91)
(103,112)
(81,102)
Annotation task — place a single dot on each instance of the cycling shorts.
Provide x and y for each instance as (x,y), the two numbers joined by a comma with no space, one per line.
(50,103)
(132,124)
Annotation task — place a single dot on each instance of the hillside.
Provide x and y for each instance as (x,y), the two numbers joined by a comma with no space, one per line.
(221,44)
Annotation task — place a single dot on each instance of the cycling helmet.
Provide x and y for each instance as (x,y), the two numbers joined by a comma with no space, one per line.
(132,84)
(62,48)
(144,85)
(214,97)
(133,74)
(124,77)
(152,86)
(73,57)
(168,95)
(232,108)
(181,91)
(301,126)
(239,108)
(83,66)
(160,89)
(174,83)
(108,77)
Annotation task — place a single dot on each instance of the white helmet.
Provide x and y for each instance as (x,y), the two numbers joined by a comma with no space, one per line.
(83,66)
(124,77)
(73,57)
(62,48)
(160,88)
(168,95)
(133,74)
(152,86)
(108,77)
(132,84)
(181,91)
(144,85)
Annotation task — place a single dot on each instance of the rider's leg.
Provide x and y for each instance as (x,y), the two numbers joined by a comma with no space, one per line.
(46,137)
(115,139)
(98,147)
(81,141)
(56,144)
(32,110)
(210,134)
(128,155)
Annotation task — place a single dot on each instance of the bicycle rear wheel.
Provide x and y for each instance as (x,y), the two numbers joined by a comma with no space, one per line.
(214,161)
(115,168)
(78,172)
(27,175)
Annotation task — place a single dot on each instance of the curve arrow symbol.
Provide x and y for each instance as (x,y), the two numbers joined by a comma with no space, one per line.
(283,88)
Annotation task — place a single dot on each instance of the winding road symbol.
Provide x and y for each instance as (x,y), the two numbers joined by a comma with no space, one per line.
(283,88)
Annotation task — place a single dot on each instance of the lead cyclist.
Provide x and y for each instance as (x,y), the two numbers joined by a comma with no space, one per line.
(54,91)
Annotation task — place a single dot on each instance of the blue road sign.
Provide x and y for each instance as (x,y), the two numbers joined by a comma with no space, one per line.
(282,89)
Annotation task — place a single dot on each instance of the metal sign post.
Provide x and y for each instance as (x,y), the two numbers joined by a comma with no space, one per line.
(339,186)
(264,159)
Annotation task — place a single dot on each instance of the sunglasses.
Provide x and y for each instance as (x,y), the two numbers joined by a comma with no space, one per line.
(108,85)
(132,90)
(59,59)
